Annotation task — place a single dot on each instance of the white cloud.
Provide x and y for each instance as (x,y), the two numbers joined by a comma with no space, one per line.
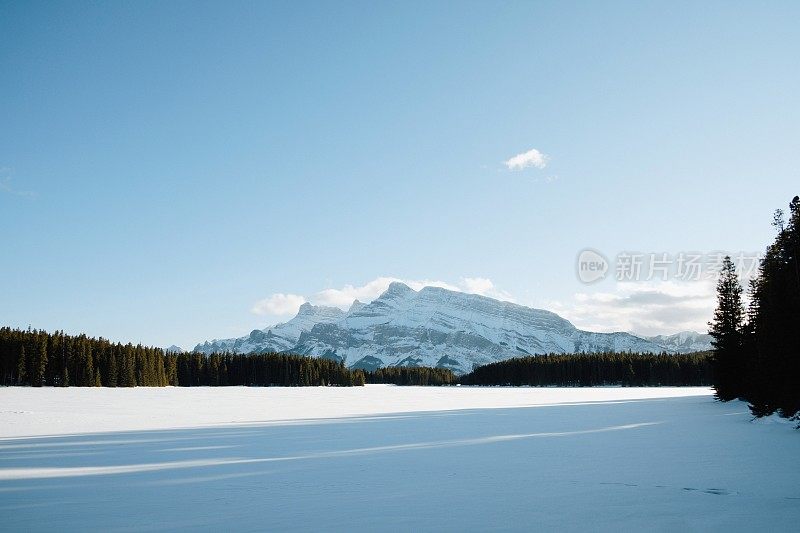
(477,285)
(531,158)
(288,304)
(345,296)
(644,308)
(279,305)
(484,287)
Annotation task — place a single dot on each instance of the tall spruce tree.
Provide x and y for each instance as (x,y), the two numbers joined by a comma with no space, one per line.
(40,365)
(726,329)
(22,366)
(111,381)
(775,322)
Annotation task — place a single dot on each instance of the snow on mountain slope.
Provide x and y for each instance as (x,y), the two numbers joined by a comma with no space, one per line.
(439,327)
(683,342)
(430,327)
(174,349)
(279,338)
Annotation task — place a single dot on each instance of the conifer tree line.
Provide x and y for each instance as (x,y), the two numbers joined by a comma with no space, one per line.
(37,358)
(412,376)
(757,347)
(596,369)
(196,369)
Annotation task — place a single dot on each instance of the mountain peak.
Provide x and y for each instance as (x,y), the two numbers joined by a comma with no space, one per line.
(398,287)
(397,290)
(355,306)
(311,309)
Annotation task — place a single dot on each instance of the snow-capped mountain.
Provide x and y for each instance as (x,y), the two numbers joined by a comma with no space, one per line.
(683,342)
(433,327)
(280,338)
(174,349)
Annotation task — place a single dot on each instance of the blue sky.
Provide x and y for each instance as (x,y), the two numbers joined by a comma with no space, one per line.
(166,169)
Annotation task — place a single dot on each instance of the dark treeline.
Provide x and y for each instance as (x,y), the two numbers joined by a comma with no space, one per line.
(412,376)
(757,349)
(37,358)
(595,369)
(196,369)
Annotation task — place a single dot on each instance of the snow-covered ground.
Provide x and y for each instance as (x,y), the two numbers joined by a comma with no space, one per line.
(392,458)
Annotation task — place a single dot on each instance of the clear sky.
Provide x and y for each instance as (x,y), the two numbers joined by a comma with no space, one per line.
(177,171)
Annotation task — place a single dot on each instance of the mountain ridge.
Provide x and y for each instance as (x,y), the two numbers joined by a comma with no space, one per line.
(436,327)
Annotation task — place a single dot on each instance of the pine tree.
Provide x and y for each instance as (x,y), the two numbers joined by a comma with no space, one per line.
(726,329)
(111,381)
(22,366)
(88,367)
(129,367)
(775,317)
(40,366)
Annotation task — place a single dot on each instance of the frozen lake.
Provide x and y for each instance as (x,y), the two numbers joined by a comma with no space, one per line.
(392,458)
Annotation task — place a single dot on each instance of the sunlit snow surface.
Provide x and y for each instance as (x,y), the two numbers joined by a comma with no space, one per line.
(392,458)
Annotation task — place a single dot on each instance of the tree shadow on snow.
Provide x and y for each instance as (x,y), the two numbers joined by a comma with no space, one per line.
(335,473)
